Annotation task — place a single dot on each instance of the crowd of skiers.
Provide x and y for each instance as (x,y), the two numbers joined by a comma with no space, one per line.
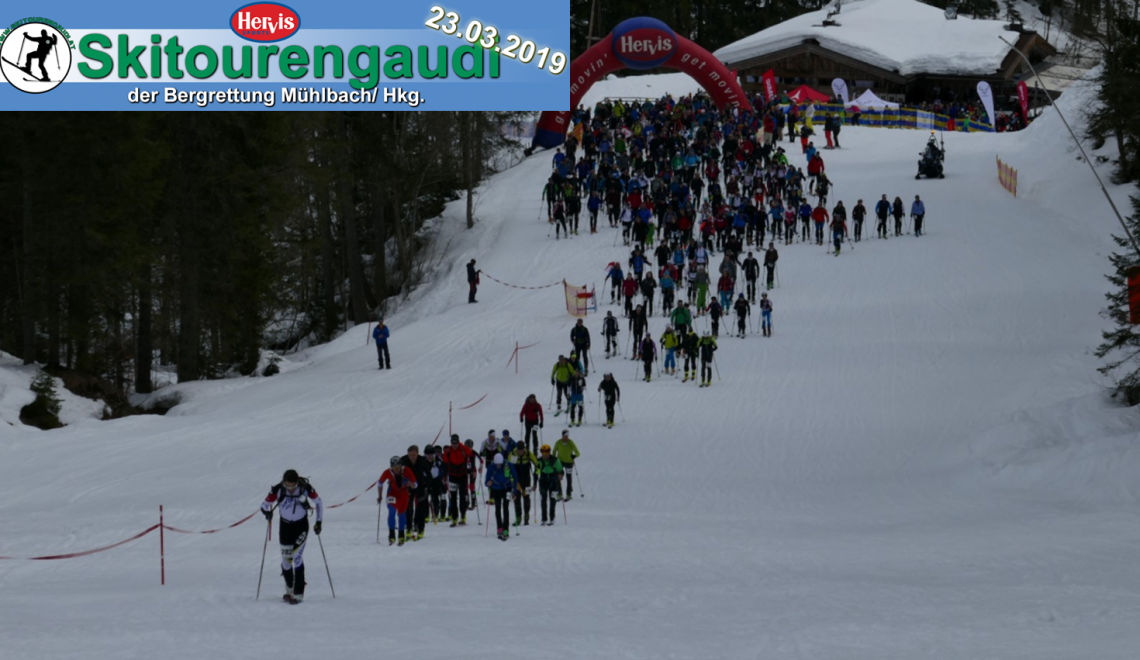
(442,484)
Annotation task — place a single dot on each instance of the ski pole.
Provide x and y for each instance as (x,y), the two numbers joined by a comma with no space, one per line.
(379,513)
(321,544)
(260,575)
(621,411)
(777,269)
(56,51)
(487,527)
(578,472)
(565,521)
(551,403)
(717,369)
(21,55)
(477,515)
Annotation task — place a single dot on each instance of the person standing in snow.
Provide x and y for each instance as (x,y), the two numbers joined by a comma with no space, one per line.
(567,452)
(418,500)
(838,229)
(611,394)
(615,276)
(771,256)
(577,398)
(293,497)
(458,459)
(436,493)
(401,481)
(629,288)
(690,347)
(648,354)
(560,378)
(531,415)
(380,335)
(918,212)
(473,472)
(472,281)
(897,212)
(882,210)
(715,312)
(743,309)
(820,216)
(524,463)
(610,331)
(751,274)
(549,472)
(765,314)
(580,338)
(858,214)
(707,347)
(501,482)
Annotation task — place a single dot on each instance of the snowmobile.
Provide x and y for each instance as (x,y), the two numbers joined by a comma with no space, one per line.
(931,162)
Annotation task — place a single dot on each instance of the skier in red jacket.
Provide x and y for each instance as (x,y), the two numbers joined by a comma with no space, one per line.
(531,415)
(400,480)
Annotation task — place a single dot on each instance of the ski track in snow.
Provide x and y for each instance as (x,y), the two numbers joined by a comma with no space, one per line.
(845,489)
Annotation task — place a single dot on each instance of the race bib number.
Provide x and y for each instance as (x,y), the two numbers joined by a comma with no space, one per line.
(391,500)
(452,486)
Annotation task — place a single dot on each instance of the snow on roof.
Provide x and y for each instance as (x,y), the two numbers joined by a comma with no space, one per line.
(897,35)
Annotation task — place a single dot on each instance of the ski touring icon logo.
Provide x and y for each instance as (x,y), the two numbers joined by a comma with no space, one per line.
(35,57)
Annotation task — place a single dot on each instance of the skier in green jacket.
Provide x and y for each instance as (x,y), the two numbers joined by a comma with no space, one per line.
(560,377)
(566,451)
(682,318)
(549,470)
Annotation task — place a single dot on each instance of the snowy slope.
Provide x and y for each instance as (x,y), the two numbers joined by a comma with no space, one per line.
(911,467)
(905,36)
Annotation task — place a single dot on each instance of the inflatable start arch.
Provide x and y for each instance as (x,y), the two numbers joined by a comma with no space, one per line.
(640,43)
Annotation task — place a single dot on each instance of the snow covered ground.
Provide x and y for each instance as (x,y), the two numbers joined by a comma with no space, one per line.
(918,464)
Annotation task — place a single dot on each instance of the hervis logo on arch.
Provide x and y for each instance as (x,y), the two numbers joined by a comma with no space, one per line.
(265,22)
(643,43)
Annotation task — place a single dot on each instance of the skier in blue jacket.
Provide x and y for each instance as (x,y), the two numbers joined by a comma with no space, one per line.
(501,482)
(380,335)
(917,212)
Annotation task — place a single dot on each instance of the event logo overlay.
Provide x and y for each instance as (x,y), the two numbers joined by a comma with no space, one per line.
(265,22)
(35,55)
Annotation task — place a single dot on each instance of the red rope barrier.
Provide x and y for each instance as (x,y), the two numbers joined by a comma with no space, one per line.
(474,404)
(352,499)
(515,286)
(71,555)
(212,531)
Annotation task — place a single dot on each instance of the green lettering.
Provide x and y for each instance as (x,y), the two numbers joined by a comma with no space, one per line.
(246,70)
(156,56)
(399,64)
(129,58)
(476,70)
(319,53)
(173,50)
(370,72)
(192,62)
(293,61)
(263,55)
(441,69)
(86,49)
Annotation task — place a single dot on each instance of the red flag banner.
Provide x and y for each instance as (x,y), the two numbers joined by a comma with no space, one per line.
(769,78)
(1134,295)
(1023,98)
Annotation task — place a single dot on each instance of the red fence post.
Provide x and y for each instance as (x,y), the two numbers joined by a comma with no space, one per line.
(449,404)
(162,543)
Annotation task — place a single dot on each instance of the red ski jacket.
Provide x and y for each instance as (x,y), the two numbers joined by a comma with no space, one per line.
(531,412)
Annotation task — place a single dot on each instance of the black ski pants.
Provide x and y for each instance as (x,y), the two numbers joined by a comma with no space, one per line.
(546,492)
(502,507)
(457,497)
(706,370)
(531,435)
(383,356)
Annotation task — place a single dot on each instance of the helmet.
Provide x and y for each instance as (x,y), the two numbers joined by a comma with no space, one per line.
(764,295)
(506,432)
(545,449)
(429,450)
(454,438)
(394,461)
(498,459)
(740,296)
(469,442)
(521,445)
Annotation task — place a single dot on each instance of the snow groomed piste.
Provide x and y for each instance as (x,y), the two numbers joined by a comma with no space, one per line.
(917,463)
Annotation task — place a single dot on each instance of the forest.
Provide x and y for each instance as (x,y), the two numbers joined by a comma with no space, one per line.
(187,243)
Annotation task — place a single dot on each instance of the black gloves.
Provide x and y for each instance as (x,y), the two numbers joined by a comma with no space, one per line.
(317,528)
(540,425)
(268,514)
